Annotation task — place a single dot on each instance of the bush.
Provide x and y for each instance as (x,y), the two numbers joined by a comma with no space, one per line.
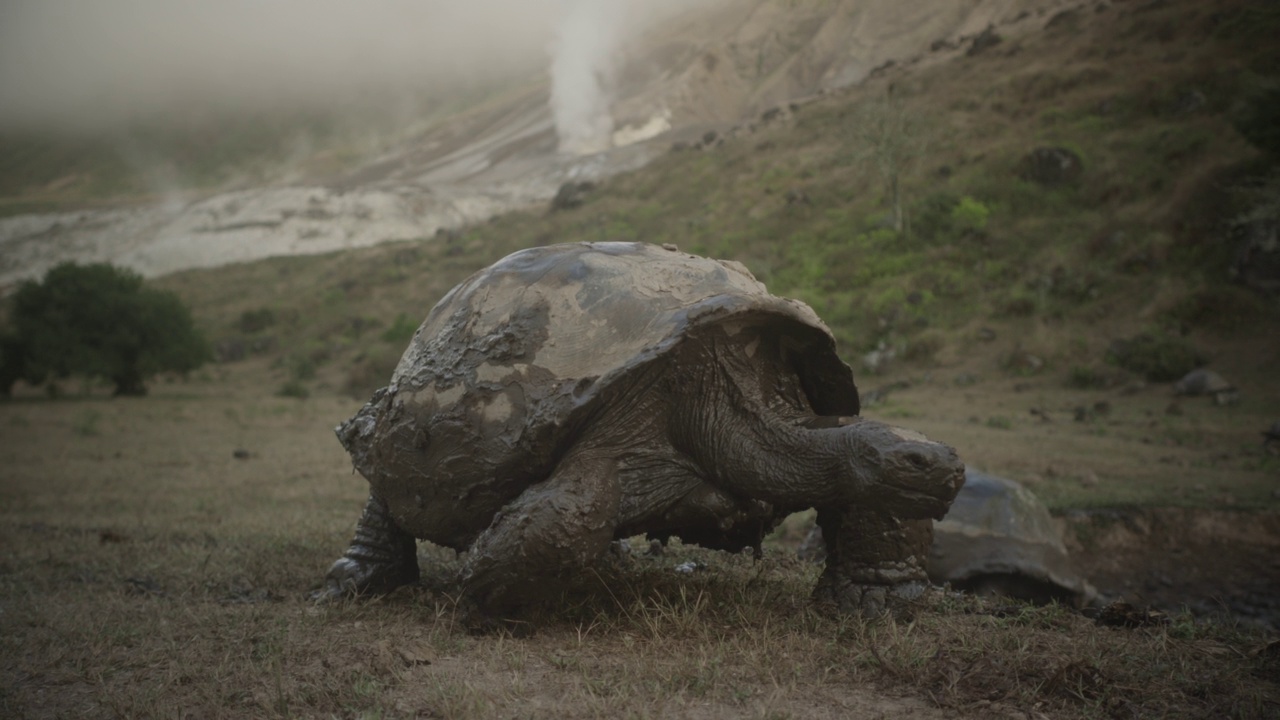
(1156,358)
(97,321)
(294,389)
(969,215)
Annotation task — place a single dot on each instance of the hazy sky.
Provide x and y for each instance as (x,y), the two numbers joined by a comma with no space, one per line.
(95,61)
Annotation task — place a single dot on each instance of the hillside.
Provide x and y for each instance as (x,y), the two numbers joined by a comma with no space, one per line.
(996,277)
(206,187)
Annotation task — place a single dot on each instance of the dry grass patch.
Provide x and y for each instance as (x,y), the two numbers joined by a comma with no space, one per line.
(148,572)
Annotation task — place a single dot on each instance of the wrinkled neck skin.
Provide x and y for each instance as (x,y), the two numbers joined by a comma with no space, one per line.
(747,422)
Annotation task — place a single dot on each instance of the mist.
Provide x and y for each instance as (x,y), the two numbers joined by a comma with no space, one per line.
(88,64)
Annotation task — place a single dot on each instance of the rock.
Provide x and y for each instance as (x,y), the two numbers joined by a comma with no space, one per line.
(1064,20)
(571,195)
(1257,259)
(986,334)
(1189,102)
(797,196)
(1051,166)
(878,359)
(232,350)
(1273,434)
(985,40)
(1025,362)
(240,454)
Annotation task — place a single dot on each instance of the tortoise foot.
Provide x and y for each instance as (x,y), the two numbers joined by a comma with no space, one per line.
(350,577)
(381,558)
(868,600)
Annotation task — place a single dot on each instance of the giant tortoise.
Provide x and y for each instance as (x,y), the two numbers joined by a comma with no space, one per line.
(573,394)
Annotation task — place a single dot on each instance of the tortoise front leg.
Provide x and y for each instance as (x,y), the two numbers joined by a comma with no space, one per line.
(381,557)
(554,528)
(875,561)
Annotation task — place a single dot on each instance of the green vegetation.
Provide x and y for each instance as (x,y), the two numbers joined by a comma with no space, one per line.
(98,321)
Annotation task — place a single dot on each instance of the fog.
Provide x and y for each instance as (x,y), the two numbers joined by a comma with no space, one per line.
(85,64)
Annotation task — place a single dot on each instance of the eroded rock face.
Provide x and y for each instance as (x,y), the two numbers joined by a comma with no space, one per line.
(573,394)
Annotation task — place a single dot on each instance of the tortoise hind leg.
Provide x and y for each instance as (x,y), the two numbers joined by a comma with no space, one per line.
(381,557)
(552,529)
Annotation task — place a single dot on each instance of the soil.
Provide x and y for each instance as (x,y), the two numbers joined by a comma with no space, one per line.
(1219,565)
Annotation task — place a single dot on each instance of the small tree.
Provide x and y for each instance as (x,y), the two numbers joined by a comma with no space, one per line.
(98,321)
(891,137)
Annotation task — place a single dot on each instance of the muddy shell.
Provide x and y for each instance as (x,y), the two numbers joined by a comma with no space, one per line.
(506,369)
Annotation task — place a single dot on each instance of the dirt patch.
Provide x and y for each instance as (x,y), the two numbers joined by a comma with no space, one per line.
(1215,564)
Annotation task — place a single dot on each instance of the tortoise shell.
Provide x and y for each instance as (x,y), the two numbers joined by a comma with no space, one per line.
(510,366)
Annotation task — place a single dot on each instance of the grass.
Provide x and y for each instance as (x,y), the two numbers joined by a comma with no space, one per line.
(144,579)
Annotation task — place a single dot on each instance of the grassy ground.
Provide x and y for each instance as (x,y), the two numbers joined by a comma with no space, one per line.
(149,572)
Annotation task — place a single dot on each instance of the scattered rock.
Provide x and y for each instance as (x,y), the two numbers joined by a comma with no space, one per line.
(620,548)
(986,334)
(571,195)
(880,394)
(232,350)
(688,568)
(250,596)
(111,536)
(1273,434)
(1122,614)
(1023,361)
(1051,166)
(1189,102)
(1133,388)
(985,40)
(878,359)
(1257,259)
(1065,20)
(143,586)
(240,454)
(797,196)
(656,549)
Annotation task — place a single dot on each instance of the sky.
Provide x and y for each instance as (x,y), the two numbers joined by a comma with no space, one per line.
(94,63)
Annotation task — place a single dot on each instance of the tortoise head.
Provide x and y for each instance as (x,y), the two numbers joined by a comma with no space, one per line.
(904,471)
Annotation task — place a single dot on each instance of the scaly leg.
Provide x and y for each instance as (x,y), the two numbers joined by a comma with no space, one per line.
(381,557)
(875,561)
(551,530)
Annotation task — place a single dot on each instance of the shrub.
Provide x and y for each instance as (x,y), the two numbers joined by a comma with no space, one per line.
(98,321)
(1157,359)
(969,215)
(294,389)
